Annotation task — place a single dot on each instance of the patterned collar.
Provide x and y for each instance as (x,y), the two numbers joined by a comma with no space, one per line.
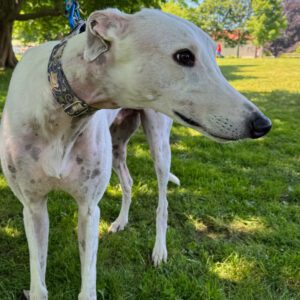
(61,90)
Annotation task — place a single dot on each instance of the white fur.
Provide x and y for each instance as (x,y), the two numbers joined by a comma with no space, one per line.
(43,149)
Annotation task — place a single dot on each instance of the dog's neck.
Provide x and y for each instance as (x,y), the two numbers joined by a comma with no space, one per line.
(81,78)
(88,80)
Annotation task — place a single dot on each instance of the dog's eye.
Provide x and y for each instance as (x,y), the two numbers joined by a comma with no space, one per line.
(184,57)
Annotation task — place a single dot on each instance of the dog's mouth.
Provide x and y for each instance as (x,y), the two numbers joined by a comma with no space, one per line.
(187,120)
(202,128)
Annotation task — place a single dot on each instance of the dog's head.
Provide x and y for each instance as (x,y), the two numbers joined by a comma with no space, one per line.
(160,61)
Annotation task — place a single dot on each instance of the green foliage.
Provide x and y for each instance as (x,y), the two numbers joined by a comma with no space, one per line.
(50,28)
(267,21)
(260,19)
(298,49)
(219,17)
(41,30)
(180,9)
(234,223)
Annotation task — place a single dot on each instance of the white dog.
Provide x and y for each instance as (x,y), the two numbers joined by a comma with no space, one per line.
(53,138)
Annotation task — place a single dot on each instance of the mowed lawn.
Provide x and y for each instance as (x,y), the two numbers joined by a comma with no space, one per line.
(234,223)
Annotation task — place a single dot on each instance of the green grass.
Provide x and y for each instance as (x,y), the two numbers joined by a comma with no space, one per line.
(234,224)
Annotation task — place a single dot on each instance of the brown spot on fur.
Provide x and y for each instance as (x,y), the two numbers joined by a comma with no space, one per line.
(35,153)
(96,172)
(12,169)
(80,56)
(82,244)
(88,172)
(79,160)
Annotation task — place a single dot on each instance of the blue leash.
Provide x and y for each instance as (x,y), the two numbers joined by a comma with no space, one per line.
(72,11)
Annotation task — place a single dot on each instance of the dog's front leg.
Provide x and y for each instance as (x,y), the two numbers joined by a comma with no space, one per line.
(157,129)
(88,221)
(37,228)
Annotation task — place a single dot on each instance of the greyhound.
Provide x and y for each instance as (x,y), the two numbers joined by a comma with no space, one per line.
(63,97)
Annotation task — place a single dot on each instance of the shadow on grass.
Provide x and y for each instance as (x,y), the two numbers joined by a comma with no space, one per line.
(235,72)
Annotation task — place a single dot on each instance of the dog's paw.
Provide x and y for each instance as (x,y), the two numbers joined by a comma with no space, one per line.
(117,225)
(159,254)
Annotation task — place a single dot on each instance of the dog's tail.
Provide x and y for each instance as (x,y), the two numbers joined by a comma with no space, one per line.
(174,179)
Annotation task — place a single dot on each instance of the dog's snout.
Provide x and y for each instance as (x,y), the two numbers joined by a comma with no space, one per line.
(260,125)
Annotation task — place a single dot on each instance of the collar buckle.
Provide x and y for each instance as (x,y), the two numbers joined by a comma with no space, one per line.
(76,109)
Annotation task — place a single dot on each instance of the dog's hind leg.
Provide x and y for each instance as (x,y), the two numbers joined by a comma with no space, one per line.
(157,129)
(121,131)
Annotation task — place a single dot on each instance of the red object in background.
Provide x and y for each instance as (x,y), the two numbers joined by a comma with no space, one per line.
(219,50)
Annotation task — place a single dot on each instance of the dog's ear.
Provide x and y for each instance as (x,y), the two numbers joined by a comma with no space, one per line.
(103,27)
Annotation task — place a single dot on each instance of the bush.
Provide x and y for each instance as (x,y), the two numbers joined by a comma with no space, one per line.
(267,53)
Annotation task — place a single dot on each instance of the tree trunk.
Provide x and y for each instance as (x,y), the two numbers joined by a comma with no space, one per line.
(7,56)
(256,50)
(238,50)
(9,12)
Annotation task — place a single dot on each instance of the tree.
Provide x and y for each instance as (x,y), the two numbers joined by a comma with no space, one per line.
(289,40)
(180,9)
(267,21)
(10,12)
(239,13)
(226,20)
(45,20)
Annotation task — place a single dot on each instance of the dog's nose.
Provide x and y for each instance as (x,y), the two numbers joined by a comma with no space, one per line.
(260,125)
